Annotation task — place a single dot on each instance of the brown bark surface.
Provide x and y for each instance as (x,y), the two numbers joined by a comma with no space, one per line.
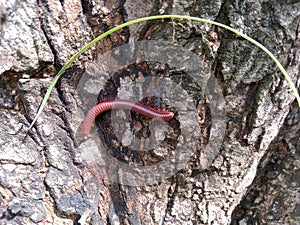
(53,176)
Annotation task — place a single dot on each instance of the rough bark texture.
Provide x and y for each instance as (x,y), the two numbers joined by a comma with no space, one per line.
(252,179)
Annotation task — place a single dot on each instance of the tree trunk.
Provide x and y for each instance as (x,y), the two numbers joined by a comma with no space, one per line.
(230,155)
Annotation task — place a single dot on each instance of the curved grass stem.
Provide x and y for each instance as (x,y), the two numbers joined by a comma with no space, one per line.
(87,46)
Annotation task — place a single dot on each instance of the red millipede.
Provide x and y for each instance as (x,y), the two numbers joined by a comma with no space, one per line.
(122,104)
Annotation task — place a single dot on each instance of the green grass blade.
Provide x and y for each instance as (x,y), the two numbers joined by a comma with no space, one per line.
(74,57)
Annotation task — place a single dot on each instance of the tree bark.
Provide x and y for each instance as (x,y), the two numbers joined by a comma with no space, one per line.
(240,165)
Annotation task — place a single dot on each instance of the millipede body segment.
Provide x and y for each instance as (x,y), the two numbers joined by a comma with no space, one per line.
(122,104)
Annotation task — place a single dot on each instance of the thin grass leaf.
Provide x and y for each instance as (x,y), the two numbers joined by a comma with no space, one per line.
(74,57)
